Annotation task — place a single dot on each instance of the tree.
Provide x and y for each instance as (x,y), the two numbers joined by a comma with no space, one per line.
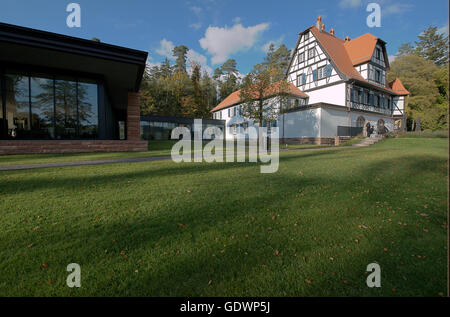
(405,49)
(180,53)
(231,82)
(278,59)
(262,96)
(229,68)
(428,86)
(433,46)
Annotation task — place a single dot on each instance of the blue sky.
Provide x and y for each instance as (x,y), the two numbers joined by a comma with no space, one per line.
(215,30)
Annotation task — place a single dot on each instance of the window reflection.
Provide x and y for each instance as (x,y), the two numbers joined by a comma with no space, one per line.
(17,106)
(41,107)
(42,111)
(87,109)
(66,108)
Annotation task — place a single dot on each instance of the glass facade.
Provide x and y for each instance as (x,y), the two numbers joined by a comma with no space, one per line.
(42,106)
(160,128)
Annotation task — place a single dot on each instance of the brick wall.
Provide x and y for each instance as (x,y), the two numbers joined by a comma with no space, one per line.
(41,147)
(133,117)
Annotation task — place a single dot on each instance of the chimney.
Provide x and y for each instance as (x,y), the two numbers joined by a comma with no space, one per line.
(347,38)
(323,28)
(332,31)
(319,23)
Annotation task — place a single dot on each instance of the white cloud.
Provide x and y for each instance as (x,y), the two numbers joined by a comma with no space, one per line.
(392,58)
(165,49)
(195,26)
(222,42)
(265,47)
(350,3)
(196,10)
(443,30)
(237,20)
(193,56)
(396,8)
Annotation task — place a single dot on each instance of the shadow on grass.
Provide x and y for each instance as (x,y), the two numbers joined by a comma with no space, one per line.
(188,275)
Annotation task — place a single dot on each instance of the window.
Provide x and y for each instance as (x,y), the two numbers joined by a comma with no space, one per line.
(311,53)
(297,103)
(87,109)
(234,129)
(245,127)
(360,96)
(378,76)
(220,115)
(306,36)
(322,73)
(229,113)
(17,106)
(66,108)
(377,101)
(378,54)
(234,111)
(301,57)
(366,98)
(299,80)
(40,106)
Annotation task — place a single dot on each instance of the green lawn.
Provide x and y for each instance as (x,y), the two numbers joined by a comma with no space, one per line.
(155,148)
(166,229)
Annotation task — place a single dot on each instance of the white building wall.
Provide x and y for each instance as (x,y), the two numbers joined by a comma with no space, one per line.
(334,95)
(308,65)
(300,124)
(399,105)
(332,118)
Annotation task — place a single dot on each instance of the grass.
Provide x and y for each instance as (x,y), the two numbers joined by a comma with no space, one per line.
(302,146)
(353,141)
(224,229)
(155,148)
(443,134)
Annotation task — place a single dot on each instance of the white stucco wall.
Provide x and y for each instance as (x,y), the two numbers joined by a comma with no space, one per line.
(332,118)
(301,124)
(334,95)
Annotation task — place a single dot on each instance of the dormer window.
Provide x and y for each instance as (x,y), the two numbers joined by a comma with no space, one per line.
(378,54)
(306,36)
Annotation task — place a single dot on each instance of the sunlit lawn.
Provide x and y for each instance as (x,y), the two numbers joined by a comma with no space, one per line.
(225,229)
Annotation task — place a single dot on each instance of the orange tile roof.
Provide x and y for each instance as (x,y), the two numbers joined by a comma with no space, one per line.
(397,86)
(235,97)
(344,55)
(360,50)
(335,49)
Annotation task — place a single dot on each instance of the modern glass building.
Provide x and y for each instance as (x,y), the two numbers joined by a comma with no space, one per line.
(160,128)
(55,88)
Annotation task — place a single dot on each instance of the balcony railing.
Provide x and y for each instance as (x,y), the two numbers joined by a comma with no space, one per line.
(365,107)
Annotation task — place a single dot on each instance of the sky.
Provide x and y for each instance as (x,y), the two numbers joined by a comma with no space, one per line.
(216,30)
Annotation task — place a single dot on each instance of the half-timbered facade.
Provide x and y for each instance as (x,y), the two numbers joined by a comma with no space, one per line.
(345,81)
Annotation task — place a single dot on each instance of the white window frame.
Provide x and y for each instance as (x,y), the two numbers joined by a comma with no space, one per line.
(322,72)
(313,50)
(301,57)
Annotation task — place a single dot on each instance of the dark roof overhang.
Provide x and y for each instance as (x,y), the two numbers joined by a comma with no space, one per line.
(121,68)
